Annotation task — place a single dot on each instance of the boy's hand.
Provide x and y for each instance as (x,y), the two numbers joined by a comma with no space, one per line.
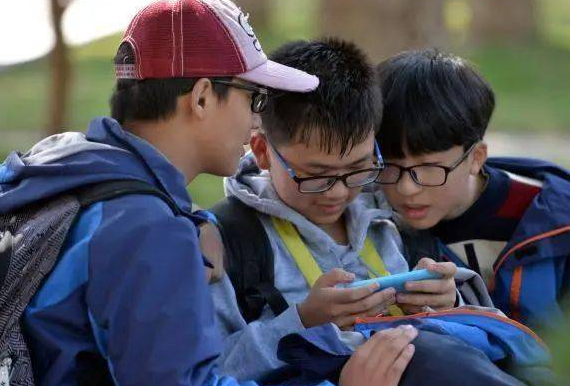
(381,360)
(438,294)
(341,306)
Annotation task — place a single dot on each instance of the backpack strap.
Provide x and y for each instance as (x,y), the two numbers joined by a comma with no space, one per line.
(248,259)
(107,190)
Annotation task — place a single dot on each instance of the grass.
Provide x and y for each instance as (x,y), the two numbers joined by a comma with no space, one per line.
(532,86)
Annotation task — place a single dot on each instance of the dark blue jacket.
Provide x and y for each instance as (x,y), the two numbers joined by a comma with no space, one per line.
(532,273)
(130,282)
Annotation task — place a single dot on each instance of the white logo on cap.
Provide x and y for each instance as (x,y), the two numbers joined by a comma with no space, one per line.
(243,22)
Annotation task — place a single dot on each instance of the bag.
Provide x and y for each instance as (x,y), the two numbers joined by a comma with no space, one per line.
(30,244)
(248,258)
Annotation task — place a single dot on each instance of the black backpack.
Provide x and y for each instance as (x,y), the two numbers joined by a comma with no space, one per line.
(30,244)
(248,258)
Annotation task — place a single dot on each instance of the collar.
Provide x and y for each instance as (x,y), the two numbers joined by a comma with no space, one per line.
(161,171)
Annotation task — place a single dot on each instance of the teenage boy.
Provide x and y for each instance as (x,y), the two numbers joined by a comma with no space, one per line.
(303,179)
(506,218)
(129,289)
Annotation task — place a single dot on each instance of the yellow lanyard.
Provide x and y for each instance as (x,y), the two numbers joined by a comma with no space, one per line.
(309,267)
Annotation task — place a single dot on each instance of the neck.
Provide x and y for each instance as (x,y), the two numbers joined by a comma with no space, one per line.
(337,231)
(476,187)
(170,141)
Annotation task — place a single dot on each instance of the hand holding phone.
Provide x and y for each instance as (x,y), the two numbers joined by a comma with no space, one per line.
(397,281)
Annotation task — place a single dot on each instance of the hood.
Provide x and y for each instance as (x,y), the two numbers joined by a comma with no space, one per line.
(70,160)
(253,187)
(551,204)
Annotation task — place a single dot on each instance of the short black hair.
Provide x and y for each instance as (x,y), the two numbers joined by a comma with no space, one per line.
(150,99)
(433,101)
(342,111)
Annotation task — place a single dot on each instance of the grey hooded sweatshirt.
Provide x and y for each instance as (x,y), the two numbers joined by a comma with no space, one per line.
(250,349)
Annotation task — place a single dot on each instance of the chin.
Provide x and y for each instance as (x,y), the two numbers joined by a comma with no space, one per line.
(224,170)
(421,224)
(325,219)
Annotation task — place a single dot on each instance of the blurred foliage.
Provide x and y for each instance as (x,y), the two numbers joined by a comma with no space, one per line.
(532,82)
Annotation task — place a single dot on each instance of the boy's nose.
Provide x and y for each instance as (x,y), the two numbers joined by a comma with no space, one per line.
(407,186)
(338,191)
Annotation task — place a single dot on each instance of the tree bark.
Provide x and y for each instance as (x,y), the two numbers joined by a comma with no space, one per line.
(60,72)
(385,27)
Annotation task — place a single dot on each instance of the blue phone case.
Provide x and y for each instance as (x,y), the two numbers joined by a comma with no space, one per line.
(398,280)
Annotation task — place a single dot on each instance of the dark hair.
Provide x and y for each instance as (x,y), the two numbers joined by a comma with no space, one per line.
(432,102)
(342,111)
(150,99)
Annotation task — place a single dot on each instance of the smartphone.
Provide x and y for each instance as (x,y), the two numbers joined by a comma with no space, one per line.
(398,280)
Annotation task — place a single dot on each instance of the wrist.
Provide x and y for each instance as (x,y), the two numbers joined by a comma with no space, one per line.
(301,311)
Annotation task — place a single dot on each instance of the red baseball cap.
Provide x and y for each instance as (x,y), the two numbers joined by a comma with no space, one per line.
(203,38)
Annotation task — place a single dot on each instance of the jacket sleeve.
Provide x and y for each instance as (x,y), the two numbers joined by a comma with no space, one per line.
(250,350)
(148,300)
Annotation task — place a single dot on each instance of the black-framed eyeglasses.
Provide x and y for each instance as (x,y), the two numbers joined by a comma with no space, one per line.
(423,175)
(259,95)
(319,184)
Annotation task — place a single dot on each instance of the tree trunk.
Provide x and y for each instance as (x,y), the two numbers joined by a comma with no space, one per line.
(60,72)
(385,27)
(503,21)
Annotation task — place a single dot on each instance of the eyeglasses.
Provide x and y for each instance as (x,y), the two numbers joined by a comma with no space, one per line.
(319,184)
(259,95)
(423,175)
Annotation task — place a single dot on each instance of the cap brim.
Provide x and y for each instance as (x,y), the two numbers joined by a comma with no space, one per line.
(277,76)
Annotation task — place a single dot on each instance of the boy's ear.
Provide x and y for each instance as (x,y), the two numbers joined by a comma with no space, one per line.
(260,149)
(200,98)
(479,157)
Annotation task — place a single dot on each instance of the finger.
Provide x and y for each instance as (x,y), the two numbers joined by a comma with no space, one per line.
(344,322)
(377,311)
(351,295)
(424,299)
(334,277)
(372,313)
(424,263)
(446,269)
(382,298)
(386,351)
(439,286)
(408,309)
(395,372)
(365,349)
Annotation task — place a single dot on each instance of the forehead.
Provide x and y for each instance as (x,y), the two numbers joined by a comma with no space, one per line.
(313,152)
(433,157)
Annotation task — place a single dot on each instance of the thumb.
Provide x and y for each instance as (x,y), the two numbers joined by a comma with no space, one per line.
(334,277)
(424,263)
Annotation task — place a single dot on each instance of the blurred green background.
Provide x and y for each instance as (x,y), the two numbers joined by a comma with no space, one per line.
(521,46)
(528,65)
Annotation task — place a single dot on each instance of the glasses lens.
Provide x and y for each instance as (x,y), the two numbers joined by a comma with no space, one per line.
(428,175)
(316,185)
(362,177)
(258,102)
(389,175)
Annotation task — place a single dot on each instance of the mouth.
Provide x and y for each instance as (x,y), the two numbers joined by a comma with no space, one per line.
(415,212)
(331,208)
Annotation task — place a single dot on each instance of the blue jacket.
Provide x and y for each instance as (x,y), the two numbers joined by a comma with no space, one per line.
(455,347)
(130,282)
(532,273)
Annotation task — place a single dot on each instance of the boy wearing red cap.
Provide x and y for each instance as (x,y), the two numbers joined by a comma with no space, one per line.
(127,301)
